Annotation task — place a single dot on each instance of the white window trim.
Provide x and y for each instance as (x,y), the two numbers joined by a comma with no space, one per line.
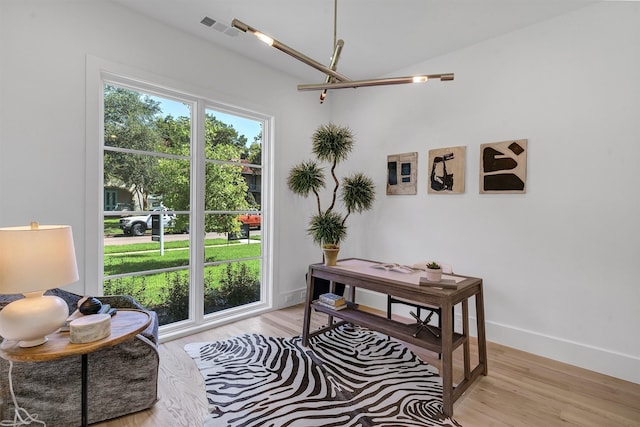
(97,71)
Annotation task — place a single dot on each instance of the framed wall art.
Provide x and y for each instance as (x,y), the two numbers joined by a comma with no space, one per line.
(503,167)
(446,170)
(402,173)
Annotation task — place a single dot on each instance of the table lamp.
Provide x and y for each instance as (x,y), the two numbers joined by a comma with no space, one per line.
(33,259)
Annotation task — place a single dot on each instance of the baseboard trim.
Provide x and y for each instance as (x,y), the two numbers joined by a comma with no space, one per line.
(604,361)
(601,360)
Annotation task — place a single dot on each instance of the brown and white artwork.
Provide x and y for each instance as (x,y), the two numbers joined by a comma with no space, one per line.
(402,173)
(503,167)
(446,170)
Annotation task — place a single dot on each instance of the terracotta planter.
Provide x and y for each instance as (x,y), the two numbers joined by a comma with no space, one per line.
(434,274)
(330,256)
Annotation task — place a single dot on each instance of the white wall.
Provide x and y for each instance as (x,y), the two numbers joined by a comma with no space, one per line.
(44,47)
(568,86)
(558,262)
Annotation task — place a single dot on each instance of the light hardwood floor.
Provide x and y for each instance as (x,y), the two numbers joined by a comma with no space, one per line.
(521,389)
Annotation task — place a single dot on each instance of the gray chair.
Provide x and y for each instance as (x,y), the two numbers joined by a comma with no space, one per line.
(121,379)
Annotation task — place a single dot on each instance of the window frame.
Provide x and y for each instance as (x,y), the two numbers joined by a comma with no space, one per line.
(100,72)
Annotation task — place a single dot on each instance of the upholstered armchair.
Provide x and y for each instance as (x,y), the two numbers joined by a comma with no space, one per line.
(121,379)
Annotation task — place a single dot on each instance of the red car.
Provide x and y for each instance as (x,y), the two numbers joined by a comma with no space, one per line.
(253,220)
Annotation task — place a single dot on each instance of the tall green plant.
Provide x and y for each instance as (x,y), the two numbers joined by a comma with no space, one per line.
(331,144)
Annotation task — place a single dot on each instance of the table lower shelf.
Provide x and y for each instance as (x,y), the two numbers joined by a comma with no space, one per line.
(401,331)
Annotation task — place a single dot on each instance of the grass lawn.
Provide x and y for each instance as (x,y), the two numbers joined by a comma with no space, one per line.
(153,289)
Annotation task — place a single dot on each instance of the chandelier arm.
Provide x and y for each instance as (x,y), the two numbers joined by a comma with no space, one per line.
(376,82)
(334,63)
(289,51)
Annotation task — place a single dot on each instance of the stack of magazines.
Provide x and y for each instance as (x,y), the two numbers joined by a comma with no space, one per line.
(332,301)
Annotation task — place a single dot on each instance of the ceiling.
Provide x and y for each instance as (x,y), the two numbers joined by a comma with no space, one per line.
(381,36)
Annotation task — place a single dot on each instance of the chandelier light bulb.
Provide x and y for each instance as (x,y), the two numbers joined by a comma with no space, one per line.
(265,38)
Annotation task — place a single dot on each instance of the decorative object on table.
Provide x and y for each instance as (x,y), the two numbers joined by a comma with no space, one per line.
(90,328)
(332,301)
(446,281)
(503,167)
(398,268)
(33,259)
(402,174)
(332,307)
(345,376)
(334,80)
(89,305)
(433,272)
(330,252)
(424,324)
(446,170)
(332,144)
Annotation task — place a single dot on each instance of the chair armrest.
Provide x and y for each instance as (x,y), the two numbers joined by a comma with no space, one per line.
(128,302)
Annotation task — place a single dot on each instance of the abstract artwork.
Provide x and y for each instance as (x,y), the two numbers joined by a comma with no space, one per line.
(402,173)
(503,167)
(446,170)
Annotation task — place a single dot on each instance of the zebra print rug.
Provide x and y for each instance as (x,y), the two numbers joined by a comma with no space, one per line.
(349,376)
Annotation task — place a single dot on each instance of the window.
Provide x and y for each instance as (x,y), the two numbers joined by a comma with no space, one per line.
(183,204)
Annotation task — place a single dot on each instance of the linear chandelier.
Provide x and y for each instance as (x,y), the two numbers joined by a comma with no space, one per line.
(334,79)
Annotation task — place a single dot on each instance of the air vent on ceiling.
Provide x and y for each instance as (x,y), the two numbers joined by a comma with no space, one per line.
(208,21)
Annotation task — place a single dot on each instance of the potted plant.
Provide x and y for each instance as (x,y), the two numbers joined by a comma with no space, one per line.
(434,272)
(332,144)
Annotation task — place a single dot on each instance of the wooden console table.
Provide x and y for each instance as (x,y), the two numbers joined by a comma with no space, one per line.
(358,273)
(125,324)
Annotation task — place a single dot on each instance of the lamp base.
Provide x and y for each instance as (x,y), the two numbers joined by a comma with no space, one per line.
(32,343)
(31,319)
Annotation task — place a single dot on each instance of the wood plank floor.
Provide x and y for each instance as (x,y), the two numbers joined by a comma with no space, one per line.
(521,389)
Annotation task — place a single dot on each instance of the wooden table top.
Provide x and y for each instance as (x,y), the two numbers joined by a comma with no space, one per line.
(360,274)
(124,325)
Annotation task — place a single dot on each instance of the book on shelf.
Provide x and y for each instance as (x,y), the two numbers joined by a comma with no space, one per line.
(398,268)
(330,306)
(443,283)
(332,299)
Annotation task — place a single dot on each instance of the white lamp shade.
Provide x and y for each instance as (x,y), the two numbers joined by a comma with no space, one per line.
(35,258)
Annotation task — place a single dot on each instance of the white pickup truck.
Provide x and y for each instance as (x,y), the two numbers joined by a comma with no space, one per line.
(137,225)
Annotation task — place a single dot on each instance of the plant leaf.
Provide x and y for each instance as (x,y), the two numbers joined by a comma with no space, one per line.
(305,178)
(327,228)
(332,143)
(358,192)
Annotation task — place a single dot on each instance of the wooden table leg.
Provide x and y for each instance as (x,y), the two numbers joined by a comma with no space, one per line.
(307,309)
(447,359)
(332,289)
(482,337)
(85,390)
(466,345)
